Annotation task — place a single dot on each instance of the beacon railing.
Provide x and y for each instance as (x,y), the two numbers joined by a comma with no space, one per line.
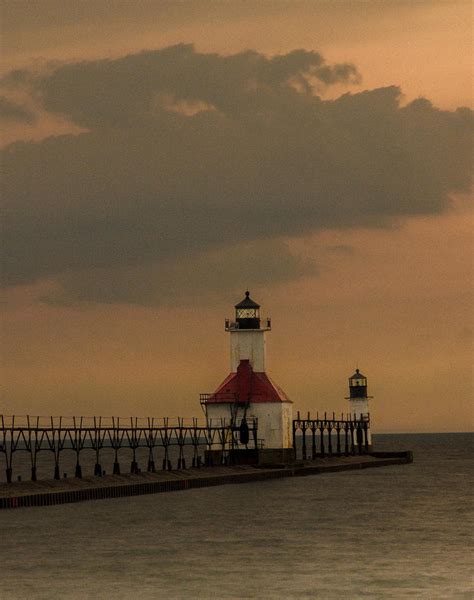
(330,436)
(179,439)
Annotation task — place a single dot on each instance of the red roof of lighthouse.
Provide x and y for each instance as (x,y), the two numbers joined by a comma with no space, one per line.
(247,386)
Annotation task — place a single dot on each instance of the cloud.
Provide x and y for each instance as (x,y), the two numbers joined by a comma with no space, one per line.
(211,274)
(188,154)
(11,111)
(121,92)
(340,249)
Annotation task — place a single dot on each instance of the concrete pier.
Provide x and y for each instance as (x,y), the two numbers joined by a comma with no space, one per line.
(50,492)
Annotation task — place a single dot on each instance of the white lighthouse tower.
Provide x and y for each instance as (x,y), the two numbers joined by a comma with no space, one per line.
(359,400)
(247,392)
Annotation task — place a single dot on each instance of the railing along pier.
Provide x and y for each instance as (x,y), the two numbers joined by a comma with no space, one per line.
(192,440)
(330,436)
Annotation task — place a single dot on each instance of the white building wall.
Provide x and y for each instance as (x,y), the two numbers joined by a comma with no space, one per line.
(274,421)
(216,412)
(360,407)
(247,344)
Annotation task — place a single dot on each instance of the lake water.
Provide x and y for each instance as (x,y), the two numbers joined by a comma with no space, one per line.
(395,532)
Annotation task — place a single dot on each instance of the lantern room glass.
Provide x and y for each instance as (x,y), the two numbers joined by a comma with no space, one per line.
(247,313)
(358,382)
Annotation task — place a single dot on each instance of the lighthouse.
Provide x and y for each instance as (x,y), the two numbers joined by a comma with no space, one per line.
(359,400)
(248,392)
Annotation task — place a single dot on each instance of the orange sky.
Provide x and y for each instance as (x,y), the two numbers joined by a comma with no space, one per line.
(395,300)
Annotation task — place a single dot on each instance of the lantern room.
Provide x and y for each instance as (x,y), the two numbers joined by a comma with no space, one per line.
(358,385)
(247,313)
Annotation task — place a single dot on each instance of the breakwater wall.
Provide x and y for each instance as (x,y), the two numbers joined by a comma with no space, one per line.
(51,492)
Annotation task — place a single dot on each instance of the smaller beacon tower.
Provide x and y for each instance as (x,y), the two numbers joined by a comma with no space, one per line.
(359,400)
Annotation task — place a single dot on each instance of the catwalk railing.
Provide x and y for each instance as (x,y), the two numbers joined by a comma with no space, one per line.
(188,442)
(330,436)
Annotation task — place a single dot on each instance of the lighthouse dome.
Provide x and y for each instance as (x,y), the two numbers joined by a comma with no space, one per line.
(247,302)
(357,375)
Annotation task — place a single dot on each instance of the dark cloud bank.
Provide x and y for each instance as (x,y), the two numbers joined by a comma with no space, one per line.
(11,111)
(195,166)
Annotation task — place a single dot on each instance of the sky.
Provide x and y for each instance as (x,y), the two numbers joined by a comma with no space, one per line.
(160,158)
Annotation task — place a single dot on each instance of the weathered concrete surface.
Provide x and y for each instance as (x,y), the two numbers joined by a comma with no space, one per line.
(49,492)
